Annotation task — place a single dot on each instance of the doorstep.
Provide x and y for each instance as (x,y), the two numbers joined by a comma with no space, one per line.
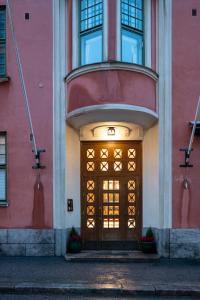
(112,256)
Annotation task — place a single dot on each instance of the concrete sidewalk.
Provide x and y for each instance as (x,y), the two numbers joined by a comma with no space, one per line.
(55,275)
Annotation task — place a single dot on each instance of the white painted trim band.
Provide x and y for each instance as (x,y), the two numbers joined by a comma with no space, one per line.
(111,66)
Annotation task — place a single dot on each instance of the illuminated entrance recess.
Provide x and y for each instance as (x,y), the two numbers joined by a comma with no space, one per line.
(111,182)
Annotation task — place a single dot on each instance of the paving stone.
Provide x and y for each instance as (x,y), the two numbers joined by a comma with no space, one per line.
(43,236)
(40,249)
(3,236)
(12,250)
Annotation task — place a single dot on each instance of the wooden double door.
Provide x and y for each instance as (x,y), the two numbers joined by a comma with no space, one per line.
(111,194)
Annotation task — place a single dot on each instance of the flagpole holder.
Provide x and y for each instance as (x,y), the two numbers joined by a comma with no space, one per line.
(187,157)
(37,159)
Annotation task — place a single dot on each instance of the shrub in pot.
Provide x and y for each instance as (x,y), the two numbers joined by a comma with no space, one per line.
(74,242)
(147,242)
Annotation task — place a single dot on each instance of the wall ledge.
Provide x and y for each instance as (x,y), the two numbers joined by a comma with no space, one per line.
(4,79)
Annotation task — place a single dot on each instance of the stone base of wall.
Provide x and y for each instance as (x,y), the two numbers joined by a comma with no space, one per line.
(178,243)
(171,243)
(30,242)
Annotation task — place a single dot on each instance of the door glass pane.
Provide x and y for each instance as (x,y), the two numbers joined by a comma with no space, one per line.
(105,197)
(110,198)
(90,198)
(116,197)
(105,185)
(90,166)
(90,210)
(131,153)
(104,153)
(131,223)
(131,166)
(117,153)
(131,197)
(90,153)
(111,185)
(104,166)
(90,185)
(117,166)
(105,210)
(116,185)
(90,223)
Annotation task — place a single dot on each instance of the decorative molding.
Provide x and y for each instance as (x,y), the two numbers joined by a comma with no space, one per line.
(112,112)
(164,63)
(111,66)
(59,130)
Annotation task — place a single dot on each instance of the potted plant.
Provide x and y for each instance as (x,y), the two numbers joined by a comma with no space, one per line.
(147,242)
(74,242)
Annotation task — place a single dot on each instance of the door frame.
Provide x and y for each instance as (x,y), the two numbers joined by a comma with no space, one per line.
(99,244)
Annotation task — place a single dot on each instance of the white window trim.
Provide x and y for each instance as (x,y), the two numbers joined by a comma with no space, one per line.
(147,32)
(75,33)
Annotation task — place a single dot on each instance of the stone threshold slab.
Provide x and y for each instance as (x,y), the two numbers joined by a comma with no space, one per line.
(111,256)
(101,289)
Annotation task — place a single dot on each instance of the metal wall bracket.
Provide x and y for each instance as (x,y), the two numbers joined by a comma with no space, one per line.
(187,157)
(37,159)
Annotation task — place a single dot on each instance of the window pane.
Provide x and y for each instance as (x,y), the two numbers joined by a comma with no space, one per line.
(2,184)
(131,47)
(91,48)
(2,58)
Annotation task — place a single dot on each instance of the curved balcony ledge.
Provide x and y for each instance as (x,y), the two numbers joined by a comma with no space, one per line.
(112,113)
(106,83)
(112,65)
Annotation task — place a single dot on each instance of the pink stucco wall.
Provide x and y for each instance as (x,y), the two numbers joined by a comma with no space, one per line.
(186,90)
(112,86)
(34,38)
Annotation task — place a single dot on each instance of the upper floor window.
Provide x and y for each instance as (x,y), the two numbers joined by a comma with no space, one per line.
(3,168)
(91,31)
(2,41)
(132,31)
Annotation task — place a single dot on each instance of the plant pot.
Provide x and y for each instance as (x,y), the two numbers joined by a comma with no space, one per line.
(148,247)
(74,246)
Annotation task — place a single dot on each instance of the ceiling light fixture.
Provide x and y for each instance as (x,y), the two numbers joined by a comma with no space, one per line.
(111,130)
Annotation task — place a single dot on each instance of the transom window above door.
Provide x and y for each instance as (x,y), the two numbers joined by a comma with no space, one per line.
(91,31)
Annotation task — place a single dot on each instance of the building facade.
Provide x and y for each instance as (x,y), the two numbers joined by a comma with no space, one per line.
(112,87)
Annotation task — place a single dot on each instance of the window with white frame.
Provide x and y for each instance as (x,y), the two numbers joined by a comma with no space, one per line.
(3,169)
(132,12)
(2,41)
(91,31)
